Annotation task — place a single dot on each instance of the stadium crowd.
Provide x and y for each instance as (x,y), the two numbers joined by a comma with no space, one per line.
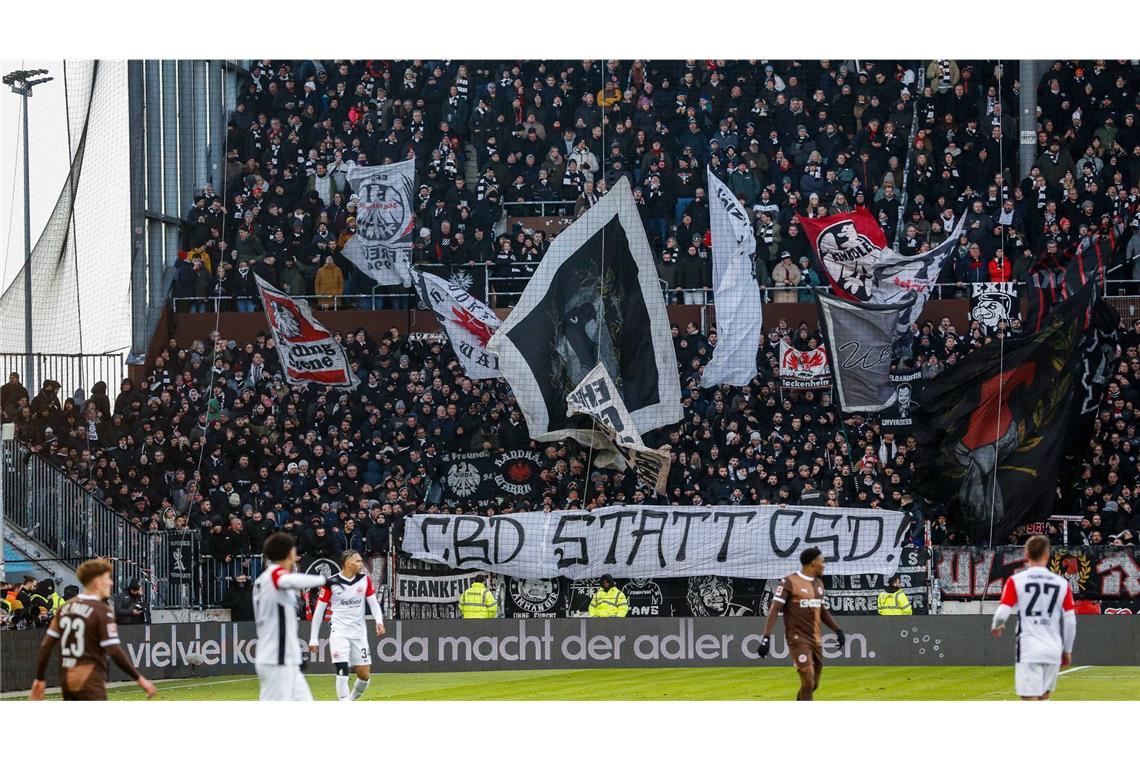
(213,440)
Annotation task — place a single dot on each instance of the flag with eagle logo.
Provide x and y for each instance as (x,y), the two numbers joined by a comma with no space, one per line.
(385,218)
(469,323)
(309,352)
(849,246)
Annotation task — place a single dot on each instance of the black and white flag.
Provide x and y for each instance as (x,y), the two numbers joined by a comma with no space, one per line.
(993,302)
(469,323)
(860,340)
(594,299)
(738,310)
(385,218)
(897,275)
(597,397)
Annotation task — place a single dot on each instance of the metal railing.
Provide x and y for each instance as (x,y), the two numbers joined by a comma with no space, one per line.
(71,371)
(59,513)
(539,208)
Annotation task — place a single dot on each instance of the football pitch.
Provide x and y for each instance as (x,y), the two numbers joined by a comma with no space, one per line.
(840,683)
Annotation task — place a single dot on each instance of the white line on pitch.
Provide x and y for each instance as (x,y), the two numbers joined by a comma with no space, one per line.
(215,683)
(1074,670)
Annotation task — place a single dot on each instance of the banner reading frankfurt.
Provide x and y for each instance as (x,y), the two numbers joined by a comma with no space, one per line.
(991,430)
(469,323)
(849,247)
(594,298)
(385,217)
(738,310)
(654,542)
(859,339)
(308,351)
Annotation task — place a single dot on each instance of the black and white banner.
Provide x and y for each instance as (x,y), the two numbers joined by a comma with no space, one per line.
(597,397)
(697,596)
(859,594)
(308,351)
(595,298)
(993,302)
(738,309)
(743,542)
(417,586)
(385,218)
(182,556)
(804,369)
(897,418)
(469,323)
(860,341)
(480,478)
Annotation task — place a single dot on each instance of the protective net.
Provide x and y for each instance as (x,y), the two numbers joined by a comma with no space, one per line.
(78,267)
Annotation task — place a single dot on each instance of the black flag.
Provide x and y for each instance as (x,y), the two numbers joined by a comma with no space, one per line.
(1005,411)
(595,298)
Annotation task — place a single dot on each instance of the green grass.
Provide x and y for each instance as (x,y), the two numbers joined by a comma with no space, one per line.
(840,683)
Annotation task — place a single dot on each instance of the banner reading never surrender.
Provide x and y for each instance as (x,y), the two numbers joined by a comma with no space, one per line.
(744,542)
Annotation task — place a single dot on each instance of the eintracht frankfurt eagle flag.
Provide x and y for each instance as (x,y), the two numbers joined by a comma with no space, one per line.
(385,217)
(595,298)
(308,351)
(469,323)
(849,247)
(738,310)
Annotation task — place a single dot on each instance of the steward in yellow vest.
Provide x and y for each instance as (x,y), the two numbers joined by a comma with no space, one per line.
(608,601)
(893,601)
(477,602)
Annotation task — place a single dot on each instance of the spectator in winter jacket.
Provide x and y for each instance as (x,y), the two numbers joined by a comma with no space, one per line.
(999,269)
(785,277)
(329,283)
(972,269)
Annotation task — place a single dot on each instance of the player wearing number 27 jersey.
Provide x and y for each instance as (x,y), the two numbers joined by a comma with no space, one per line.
(1047,622)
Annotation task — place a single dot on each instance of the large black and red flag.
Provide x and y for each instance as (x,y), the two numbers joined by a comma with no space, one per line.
(991,430)
(849,247)
(1050,284)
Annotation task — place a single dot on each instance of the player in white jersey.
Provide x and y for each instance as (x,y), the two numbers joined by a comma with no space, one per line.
(278,658)
(1047,623)
(348,593)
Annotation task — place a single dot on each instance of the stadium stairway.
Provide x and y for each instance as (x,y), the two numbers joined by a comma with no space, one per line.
(24,555)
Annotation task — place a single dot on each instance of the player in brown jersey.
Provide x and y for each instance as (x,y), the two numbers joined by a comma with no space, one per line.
(86,633)
(800,597)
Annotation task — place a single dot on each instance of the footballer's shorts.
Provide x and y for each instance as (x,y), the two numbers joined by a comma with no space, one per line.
(282,683)
(353,651)
(805,656)
(1034,679)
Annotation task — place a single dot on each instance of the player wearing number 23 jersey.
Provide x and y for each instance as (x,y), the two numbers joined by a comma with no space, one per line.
(1047,622)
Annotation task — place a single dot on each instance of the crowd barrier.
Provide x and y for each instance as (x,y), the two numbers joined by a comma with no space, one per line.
(182,650)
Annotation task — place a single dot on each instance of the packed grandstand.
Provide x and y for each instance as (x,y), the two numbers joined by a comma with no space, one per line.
(211,437)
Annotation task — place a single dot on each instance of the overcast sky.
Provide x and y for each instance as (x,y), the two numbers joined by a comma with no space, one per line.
(48,144)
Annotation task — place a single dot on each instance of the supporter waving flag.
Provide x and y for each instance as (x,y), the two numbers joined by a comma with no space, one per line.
(738,310)
(385,216)
(469,323)
(308,351)
(595,298)
(849,246)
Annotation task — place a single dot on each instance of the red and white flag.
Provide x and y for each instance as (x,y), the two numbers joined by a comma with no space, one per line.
(308,351)
(849,247)
(469,323)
